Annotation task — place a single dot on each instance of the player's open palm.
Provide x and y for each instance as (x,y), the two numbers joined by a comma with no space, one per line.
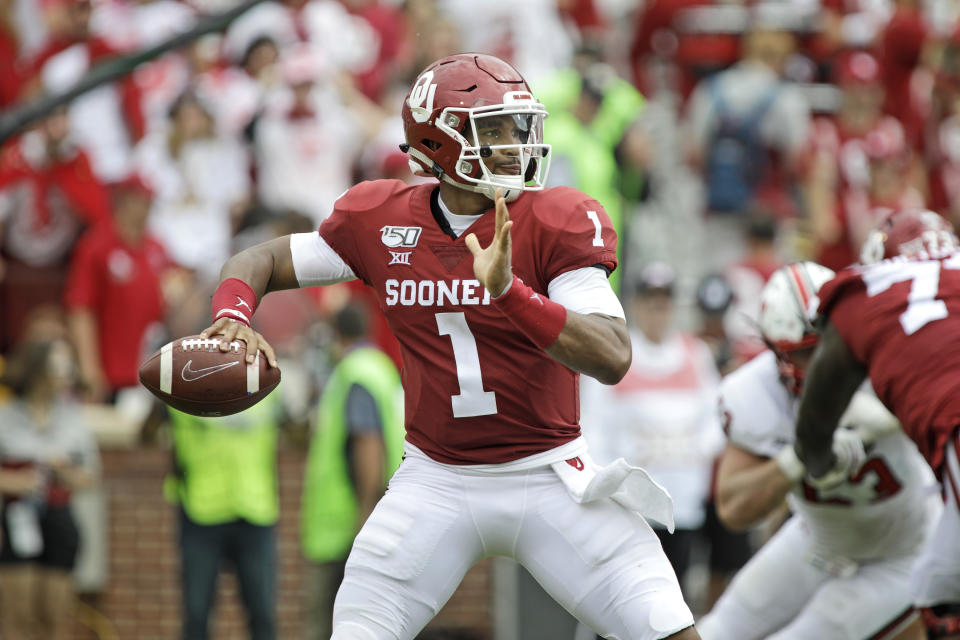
(492,265)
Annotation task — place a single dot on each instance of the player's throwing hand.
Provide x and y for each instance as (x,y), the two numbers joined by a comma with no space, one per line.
(232,330)
(492,264)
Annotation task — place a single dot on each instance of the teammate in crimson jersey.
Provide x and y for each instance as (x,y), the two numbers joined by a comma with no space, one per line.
(497,312)
(822,548)
(896,318)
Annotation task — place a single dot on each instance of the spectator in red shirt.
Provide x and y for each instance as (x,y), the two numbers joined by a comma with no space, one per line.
(393,50)
(942,136)
(48,192)
(114,293)
(659,37)
(860,160)
(901,47)
(71,51)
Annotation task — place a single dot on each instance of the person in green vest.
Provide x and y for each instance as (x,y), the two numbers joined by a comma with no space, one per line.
(225,483)
(357,446)
(595,143)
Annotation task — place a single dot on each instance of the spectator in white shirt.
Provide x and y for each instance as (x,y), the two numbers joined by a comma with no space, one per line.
(201,182)
(307,142)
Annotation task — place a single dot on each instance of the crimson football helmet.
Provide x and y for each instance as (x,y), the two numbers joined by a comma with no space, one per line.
(909,232)
(787,306)
(446,108)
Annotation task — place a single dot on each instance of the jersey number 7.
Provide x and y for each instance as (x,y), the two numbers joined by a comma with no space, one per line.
(923,306)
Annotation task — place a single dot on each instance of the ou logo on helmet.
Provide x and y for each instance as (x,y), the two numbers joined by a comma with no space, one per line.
(421,97)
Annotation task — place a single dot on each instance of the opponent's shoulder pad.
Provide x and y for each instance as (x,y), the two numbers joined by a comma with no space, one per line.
(742,386)
(755,407)
(370,194)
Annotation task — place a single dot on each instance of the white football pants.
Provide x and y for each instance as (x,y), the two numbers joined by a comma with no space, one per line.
(600,561)
(780,595)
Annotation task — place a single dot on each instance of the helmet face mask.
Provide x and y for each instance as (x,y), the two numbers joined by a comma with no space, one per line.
(471,121)
(520,134)
(792,366)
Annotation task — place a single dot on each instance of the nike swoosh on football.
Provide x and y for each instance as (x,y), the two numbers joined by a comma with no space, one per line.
(196,374)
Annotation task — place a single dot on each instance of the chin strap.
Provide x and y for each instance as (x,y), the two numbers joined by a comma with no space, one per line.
(486,189)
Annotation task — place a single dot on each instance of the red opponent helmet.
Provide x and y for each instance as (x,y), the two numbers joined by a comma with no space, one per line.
(448,105)
(909,232)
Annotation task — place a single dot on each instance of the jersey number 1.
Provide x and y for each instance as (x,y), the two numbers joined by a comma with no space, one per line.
(597,237)
(923,306)
(472,399)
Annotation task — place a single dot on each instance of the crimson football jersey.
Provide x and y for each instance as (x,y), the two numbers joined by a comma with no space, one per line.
(901,318)
(477,390)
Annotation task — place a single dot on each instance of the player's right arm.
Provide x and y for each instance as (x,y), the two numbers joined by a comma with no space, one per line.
(749,487)
(265,267)
(288,262)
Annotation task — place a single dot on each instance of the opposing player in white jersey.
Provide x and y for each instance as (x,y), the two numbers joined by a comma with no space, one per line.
(840,568)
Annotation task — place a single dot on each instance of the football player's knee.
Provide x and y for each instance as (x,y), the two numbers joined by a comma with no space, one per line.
(710,629)
(370,620)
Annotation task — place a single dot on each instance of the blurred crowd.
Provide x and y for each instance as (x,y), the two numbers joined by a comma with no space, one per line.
(725,139)
(722,138)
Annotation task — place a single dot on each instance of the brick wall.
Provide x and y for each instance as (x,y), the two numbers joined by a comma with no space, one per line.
(141,600)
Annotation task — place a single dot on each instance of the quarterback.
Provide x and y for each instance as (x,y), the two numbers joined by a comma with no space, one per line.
(896,318)
(840,567)
(497,291)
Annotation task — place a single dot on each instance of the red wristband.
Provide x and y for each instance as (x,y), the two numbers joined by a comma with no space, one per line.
(537,316)
(234,299)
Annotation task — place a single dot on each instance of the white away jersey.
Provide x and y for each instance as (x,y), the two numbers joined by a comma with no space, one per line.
(884,509)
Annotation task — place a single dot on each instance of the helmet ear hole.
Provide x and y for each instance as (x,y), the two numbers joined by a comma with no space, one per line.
(433,145)
(471,169)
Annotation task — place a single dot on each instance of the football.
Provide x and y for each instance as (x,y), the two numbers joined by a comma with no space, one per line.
(193,375)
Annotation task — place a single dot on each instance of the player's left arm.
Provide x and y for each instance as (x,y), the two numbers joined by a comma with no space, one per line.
(594,344)
(834,376)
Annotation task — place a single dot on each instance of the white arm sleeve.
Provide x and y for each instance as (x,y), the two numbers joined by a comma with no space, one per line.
(585,290)
(315,263)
